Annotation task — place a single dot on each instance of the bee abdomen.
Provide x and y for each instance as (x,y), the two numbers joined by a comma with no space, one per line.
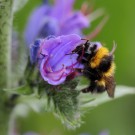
(95,87)
(105,63)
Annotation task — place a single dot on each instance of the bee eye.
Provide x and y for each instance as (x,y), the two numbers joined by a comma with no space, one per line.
(93,48)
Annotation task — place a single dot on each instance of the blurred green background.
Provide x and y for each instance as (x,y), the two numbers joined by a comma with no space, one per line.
(117,116)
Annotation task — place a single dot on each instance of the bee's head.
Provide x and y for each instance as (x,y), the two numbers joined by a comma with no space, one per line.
(93,47)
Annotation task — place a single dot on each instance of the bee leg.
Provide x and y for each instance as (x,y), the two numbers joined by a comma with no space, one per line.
(100,88)
(94,88)
(86,90)
(91,88)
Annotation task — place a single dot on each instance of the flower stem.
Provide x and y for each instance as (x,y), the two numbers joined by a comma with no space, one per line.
(6,19)
(5,107)
(4,123)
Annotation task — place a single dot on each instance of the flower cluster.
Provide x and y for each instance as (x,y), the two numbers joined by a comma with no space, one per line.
(59,19)
(64,26)
(53,32)
(55,58)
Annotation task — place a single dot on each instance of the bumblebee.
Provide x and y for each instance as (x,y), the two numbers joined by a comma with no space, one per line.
(99,67)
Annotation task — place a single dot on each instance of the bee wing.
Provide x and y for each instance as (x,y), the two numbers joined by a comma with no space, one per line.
(110,85)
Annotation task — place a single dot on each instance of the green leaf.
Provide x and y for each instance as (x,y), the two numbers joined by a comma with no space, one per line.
(67,104)
(26,104)
(22,90)
(99,99)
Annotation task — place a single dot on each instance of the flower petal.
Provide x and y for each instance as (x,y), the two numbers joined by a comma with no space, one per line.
(34,48)
(67,45)
(75,22)
(59,61)
(62,8)
(50,44)
(68,60)
(49,27)
(35,23)
(53,78)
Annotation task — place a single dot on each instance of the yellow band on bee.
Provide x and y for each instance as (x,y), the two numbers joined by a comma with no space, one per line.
(101,82)
(95,61)
(110,71)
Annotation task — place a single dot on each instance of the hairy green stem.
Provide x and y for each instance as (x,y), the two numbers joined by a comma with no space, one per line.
(5,107)
(6,19)
(4,118)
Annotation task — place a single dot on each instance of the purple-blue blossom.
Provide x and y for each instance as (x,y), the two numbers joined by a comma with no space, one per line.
(101,133)
(104,133)
(34,50)
(31,133)
(59,19)
(55,58)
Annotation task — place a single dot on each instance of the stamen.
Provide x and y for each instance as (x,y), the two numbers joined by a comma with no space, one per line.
(46,64)
(63,74)
(49,68)
(68,74)
(59,77)
(41,47)
(97,30)
(96,14)
(58,71)
(86,9)
(55,72)
(80,58)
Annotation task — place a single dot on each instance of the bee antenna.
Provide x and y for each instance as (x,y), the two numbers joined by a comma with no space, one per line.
(114,48)
(84,39)
(87,40)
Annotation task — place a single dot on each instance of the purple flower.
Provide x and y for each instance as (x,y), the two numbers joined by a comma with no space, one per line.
(57,20)
(34,50)
(30,133)
(101,133)
(55,58)
(104,133)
